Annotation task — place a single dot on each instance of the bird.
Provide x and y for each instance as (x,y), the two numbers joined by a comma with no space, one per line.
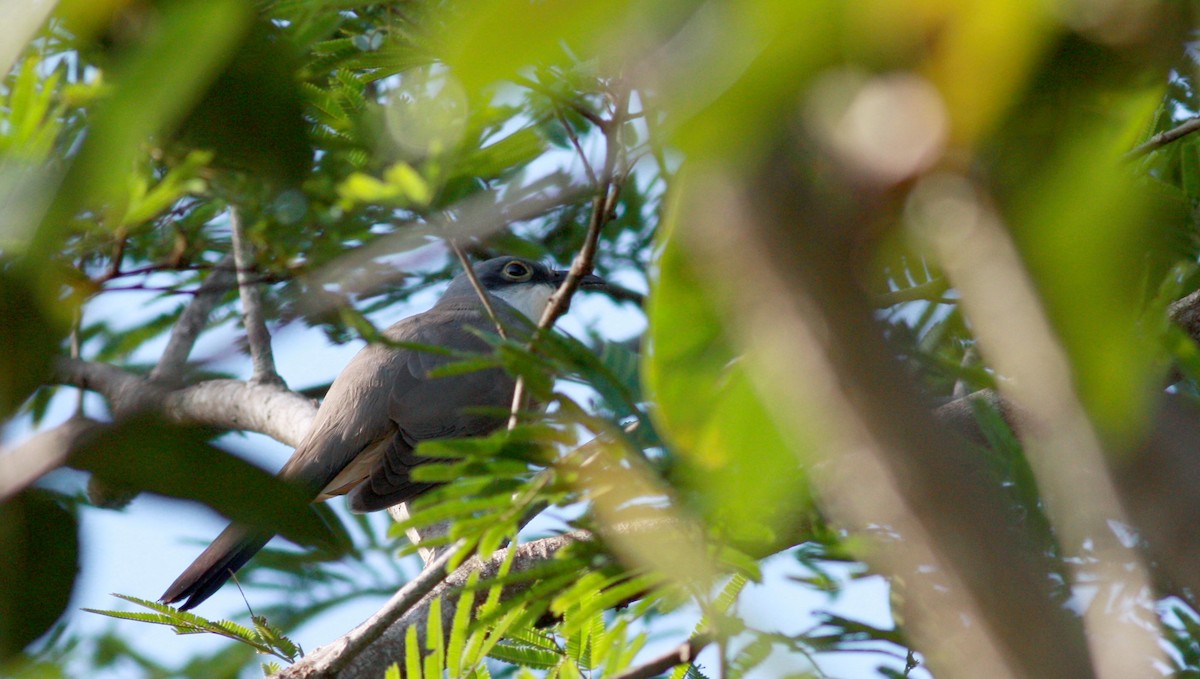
(384,402)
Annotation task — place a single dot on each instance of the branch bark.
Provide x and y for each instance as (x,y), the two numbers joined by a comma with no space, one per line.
(192,321)
(41,454)
(257,336)
(269,409)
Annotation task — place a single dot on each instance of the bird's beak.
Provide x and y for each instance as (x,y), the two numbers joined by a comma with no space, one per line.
(589,281)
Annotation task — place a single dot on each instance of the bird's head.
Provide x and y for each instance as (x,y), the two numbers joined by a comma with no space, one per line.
(524,284)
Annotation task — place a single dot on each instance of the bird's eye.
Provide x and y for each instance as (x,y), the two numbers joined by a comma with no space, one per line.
(517,271)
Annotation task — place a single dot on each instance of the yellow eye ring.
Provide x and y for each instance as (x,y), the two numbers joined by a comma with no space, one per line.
(517,271)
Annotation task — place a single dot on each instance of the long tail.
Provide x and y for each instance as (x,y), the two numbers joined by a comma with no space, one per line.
(215,565)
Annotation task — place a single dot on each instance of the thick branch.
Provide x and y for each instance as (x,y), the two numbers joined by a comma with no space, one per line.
(257,335)
(228,404)
(819,350)
(39,455)
(192,321)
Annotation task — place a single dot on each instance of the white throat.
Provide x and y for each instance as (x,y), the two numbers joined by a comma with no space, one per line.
(528,299)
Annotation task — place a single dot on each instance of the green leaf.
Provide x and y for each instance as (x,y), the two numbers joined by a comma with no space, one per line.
(748,475)
(30,336)
(523,655)
(39,557)
(412,653)
(460,627)
(498,38)
(264,638)
(435,642)
(274,638)
(1093,235)
(193,37)
(252,116)
(180,180)
(401,186)
(34,113)
(506,155)
(145,453)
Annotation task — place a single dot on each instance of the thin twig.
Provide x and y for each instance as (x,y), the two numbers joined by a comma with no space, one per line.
(257,335)
(621,293)
(193,320)
(164,289)
(930,291)
(483,296)
(118,255)
(683,653)
(587,166)
(582,110)
(76,348)
(335,659)
(602,205)
(1165,137)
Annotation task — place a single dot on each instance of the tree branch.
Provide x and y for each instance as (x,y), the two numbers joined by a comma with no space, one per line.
(41,454)
(602,206)
(270,409)
(257,335)
(484,298)
(682,654)
(192,321)
(621,293)
(370,648)
(1165,137)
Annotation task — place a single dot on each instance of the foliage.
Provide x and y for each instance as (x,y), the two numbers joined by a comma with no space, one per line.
(798,185)
(263,637)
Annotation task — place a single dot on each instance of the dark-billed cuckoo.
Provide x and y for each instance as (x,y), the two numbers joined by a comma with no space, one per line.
(384,402)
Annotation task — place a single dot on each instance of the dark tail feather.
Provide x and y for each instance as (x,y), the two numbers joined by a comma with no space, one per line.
(215,565)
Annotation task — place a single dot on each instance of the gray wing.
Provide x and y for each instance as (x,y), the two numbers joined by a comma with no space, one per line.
(384,402)
(433,408)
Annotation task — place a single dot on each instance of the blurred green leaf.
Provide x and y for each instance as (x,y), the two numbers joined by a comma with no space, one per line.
(195,37)
(147,202)
(34,113)
(401,185)
(30,339)
(498,38)
(1094,237)
(145,453)
(252,115)
(747,477)
(39,557)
